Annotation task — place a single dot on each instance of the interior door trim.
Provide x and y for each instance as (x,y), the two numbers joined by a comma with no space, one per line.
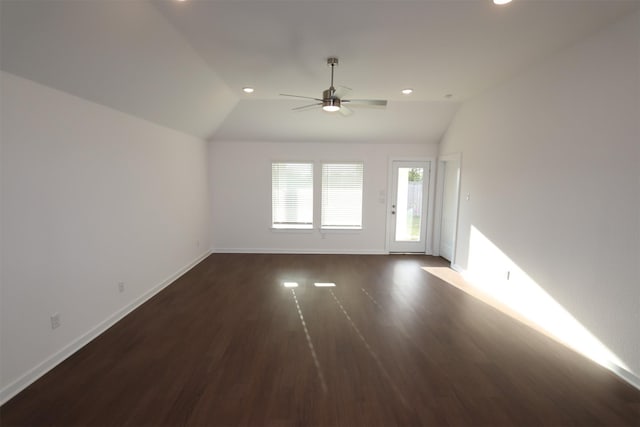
(455,157)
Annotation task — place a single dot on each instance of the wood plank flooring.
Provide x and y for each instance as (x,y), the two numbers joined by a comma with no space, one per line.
(227,344)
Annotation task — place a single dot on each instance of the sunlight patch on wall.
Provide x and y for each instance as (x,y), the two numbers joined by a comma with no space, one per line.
(494,273)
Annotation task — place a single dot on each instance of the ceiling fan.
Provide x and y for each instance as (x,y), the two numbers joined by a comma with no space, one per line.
(332,99)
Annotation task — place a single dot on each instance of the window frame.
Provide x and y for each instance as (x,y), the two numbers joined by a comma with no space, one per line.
(316,205)
(293,227)
(338,228)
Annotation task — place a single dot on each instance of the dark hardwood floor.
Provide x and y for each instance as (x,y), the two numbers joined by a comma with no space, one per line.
(228,344)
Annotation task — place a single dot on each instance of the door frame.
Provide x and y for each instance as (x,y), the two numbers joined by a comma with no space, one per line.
(439,204)
(430,200)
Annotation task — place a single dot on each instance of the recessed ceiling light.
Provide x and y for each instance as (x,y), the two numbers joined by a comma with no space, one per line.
(290,284)
(407,91)
(501,2)
(248,89)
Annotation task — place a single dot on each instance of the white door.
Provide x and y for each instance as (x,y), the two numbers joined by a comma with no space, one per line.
(450,185)
(409,197)
(446,206)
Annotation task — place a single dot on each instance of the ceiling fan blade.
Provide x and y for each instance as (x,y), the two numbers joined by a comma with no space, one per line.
(299,96)
(374,102)
(345,111)
(342,91)
(305,107)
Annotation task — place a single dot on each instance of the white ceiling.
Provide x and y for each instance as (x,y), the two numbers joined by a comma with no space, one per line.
(183,64)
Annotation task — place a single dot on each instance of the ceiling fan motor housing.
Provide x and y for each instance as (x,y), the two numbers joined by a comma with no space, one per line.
(329,94)
(329,102)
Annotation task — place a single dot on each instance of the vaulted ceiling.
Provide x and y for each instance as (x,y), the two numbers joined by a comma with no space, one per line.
(182,64)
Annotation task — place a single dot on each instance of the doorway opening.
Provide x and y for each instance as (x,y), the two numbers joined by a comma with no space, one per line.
(447,206)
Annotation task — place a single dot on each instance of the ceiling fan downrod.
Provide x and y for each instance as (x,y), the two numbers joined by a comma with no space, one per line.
(330,102)
(332,62)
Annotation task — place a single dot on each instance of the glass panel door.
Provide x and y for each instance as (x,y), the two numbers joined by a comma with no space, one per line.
(408,209)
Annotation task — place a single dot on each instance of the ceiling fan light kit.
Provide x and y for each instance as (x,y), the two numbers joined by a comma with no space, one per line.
(332,101)
(330,104)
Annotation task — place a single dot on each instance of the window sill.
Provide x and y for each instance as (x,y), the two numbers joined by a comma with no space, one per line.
(340,230)
(319,230)
(292,230)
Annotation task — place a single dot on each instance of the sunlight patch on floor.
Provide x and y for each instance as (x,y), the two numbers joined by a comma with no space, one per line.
(312,348)
(324,285)
(512,291)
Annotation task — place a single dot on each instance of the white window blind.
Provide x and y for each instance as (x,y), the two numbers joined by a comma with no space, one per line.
(342,195)
(292,195)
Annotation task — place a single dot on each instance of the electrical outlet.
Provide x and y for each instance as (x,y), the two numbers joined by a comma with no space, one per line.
(55,320)
(121,287)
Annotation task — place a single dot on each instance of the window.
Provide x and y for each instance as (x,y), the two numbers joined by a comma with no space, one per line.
(342,195)
(292,195)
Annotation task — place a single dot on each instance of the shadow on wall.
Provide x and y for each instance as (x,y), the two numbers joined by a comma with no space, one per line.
(514,292)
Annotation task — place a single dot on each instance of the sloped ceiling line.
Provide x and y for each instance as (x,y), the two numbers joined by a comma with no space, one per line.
(183,64)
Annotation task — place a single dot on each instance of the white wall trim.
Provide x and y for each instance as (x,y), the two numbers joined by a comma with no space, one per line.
(299,251)
(52,361)
(431,199)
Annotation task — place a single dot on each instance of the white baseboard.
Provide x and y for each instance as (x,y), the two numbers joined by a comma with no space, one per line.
(629,377)
(458,268)
(52,361)
(299,251)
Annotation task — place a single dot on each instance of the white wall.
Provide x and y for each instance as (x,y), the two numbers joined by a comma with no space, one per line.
(552,167)
(241,195)
(90,197)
